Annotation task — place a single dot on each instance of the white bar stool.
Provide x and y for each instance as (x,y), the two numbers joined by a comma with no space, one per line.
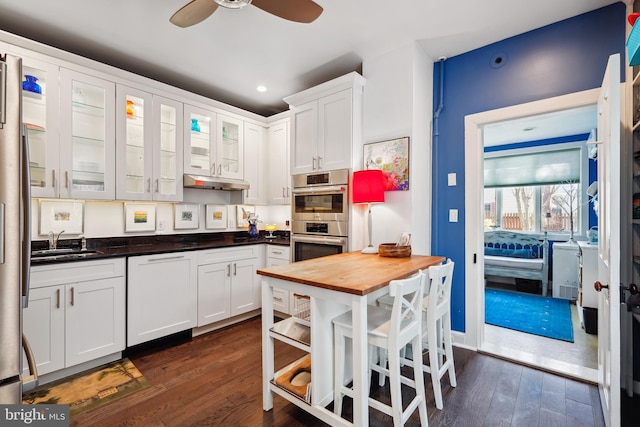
(392,331)
(436,328)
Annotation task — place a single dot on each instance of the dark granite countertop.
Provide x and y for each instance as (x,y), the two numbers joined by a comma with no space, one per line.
(149,245)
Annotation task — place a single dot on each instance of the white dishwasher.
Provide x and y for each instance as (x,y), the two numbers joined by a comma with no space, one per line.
(162,295)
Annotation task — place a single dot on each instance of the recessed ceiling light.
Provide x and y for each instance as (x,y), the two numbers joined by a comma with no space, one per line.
(261,88)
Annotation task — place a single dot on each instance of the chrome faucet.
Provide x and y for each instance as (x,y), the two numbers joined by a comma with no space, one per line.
(53,239)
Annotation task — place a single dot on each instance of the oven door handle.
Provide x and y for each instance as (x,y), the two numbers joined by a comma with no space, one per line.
(320,240)
(320,190)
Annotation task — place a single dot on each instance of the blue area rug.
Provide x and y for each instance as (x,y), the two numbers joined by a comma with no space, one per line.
(533,314)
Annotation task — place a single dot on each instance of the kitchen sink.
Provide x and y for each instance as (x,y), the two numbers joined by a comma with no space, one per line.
(62,253)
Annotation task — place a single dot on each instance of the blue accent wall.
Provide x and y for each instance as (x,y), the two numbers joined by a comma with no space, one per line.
(561,58)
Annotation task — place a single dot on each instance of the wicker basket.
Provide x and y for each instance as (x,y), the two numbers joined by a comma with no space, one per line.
(394,251)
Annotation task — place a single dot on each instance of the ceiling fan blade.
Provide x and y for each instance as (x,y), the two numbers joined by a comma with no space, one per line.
(193,12)
(303,11)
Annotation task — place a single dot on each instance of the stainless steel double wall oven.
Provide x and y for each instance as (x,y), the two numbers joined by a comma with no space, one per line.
(320,214)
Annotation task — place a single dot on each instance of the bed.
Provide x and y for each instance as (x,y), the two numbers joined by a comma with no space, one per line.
(517,255)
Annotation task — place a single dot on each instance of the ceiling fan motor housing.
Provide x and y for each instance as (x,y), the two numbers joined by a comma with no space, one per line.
(233,4)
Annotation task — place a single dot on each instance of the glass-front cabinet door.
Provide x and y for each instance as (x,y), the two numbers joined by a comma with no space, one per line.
(168,153)
(40,108)
(230,147)
(149,146)
(199,141)
(87,136)
(134,147)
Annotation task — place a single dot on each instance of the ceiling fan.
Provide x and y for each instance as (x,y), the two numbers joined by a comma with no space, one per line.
(303,11)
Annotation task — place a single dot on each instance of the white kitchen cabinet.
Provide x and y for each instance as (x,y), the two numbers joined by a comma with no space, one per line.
(255,165)
(199,141)
(282,300)
(565,270)
(149,146)
(87,136)
(326,124)
(278,163)
(40,113)
(230,147)
(162,292)
(76,312)
(227,282)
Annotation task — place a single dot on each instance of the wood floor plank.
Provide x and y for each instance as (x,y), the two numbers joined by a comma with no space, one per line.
(215,380)
(579,414)
(527,409)
(553,394)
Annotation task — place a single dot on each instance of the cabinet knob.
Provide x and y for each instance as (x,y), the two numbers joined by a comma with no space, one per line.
(599,286)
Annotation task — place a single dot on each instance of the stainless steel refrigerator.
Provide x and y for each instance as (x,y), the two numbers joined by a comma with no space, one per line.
(15,244)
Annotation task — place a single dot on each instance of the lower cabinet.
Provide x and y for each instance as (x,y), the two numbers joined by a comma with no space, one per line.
(162,291)
(76,312)
(227,282)
(279,255)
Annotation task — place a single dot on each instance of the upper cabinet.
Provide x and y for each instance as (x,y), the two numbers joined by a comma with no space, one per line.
(254,164)
(40,113)
(213,144)
(326,123)
(279,176)
(149,146)
(199,141)
(230,147)
(87,137)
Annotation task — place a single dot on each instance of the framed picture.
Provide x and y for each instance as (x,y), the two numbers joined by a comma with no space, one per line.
(60,216)
(392,157)
(139,217)
(216,217)
(186,215)
(404,240)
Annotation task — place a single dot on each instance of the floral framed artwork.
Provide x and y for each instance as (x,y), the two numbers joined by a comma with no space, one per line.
(392,157)
(186,215)
(216,217)
(139,217)
(57,216)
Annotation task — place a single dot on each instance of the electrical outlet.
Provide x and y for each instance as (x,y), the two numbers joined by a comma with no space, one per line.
(160,225)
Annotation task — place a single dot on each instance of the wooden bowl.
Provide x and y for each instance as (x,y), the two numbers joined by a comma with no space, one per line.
(393,251)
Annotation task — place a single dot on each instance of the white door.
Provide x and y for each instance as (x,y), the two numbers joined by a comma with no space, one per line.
(609,165)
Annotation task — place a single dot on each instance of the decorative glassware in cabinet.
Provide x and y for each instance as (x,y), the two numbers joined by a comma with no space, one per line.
(34,113)
(200,140)
(135,137)
(88,137)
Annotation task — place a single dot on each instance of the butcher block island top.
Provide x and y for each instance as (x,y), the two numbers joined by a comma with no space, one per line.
(351,272)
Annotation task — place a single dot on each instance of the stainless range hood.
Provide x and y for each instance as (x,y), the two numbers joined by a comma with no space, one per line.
(213,183)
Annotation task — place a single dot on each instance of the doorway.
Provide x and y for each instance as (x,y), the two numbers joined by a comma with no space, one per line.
(536,351)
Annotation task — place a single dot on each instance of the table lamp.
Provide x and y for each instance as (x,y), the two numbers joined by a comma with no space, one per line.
(368,187)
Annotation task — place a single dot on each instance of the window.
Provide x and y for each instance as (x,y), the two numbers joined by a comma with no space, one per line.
(537,189)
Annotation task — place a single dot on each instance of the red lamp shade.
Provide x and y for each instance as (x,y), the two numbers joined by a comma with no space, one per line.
(368,186)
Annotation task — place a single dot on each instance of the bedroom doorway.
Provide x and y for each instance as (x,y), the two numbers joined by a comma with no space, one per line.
(578,359)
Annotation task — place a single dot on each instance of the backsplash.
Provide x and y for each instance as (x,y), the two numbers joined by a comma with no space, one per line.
(107,219)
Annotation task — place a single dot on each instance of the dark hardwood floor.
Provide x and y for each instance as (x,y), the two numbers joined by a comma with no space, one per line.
(215,380)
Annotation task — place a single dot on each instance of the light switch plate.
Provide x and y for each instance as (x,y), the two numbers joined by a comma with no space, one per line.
(453,215)
(451,178)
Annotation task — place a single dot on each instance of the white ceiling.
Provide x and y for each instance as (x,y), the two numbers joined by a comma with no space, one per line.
(226,56)
(574,121)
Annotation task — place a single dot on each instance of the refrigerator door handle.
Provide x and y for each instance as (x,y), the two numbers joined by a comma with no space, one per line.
(30,382)
(25,194)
